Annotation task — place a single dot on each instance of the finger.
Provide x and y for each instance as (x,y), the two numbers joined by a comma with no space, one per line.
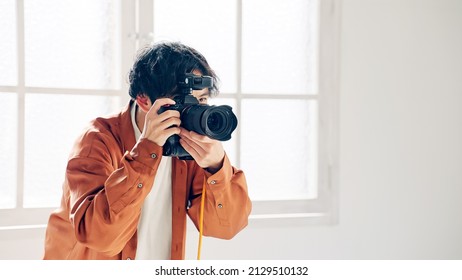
(194,145)
(166,133)
(184,133)
(164,120)
(172,130)
(201,138)
(195,136)
(167,123)
(159,103)
(188,148)
(169,114)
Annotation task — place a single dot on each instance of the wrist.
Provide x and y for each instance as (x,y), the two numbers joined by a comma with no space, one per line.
(215,167)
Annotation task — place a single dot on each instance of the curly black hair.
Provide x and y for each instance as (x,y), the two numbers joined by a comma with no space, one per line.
(159,67)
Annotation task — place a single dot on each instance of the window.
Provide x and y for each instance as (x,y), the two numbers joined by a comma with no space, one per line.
(57,73)
(66,62)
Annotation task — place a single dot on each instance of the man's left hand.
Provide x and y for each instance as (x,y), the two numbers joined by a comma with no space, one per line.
(207,152)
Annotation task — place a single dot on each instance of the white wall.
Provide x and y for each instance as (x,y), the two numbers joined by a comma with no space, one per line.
(400,147)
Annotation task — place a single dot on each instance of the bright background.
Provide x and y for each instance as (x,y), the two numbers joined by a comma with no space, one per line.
(400,184)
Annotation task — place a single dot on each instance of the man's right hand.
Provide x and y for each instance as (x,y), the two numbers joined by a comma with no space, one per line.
(158,127)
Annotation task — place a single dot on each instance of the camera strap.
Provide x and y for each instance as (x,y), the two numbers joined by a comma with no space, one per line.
(201,219)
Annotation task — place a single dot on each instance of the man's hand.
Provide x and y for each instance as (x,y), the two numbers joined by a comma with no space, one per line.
(158,127)
(207,152)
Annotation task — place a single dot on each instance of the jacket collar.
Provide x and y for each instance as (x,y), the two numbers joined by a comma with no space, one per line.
(126,128)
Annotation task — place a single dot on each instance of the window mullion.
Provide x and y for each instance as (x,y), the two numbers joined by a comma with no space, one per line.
(145,22)
(328,126)
(21,101)
(128,43)
(239,80)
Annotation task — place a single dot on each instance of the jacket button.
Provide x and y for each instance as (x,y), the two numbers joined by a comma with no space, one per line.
(153,155)
(140,185)
(220,205)
(213,182)
(128,259)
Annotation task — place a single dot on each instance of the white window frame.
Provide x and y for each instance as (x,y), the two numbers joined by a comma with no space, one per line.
(20,217)
(137,30)
(324,208)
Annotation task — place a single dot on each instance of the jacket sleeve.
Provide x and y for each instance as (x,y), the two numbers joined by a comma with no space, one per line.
(227,204)
(105,202)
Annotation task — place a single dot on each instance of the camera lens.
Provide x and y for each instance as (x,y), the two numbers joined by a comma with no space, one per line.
(217,122)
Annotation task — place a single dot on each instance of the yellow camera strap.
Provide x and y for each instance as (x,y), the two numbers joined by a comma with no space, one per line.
(201,219)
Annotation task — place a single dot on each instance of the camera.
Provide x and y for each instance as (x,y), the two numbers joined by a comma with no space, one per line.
(216,122)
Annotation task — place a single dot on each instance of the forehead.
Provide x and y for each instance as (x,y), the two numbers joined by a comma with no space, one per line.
(197,72)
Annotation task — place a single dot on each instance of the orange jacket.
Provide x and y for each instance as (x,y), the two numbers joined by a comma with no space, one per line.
(106,182)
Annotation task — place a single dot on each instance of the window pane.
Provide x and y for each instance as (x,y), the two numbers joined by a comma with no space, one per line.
(230,145)
(279,46)
(72,43)
(279,148)
(206,25)
(53,122)
(8,149)
(8,54)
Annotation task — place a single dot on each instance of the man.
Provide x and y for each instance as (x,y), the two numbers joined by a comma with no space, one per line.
(121,198)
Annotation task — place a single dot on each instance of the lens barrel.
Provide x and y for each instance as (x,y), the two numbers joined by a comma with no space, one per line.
(217,122)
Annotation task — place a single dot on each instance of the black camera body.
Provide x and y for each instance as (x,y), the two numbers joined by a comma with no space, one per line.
(216,122)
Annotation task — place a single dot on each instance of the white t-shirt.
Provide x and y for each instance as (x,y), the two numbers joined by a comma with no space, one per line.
(155,226)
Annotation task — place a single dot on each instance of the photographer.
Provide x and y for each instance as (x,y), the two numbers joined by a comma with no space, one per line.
(122,197)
